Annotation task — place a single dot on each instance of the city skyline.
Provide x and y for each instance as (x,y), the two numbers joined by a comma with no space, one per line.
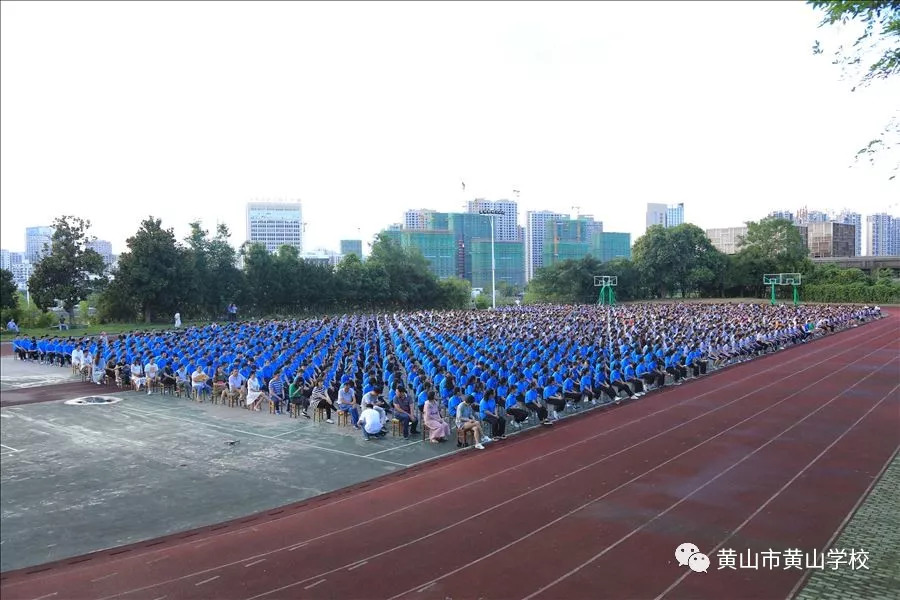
(197,128)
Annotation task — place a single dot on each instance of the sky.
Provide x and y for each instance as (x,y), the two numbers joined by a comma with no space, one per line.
(115,111)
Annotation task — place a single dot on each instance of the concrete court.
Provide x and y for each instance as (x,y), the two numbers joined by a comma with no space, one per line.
(75,479)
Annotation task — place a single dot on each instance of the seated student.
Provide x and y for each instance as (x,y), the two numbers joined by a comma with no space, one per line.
(298,395)
(320,400)
(405,413)
(535,404)
(151,371)
(199,380)
(618,382)
(255,393)
(488,412)
(219,383)
(182,379)
(630,376)
(431,417)
(137,373)
(571,391)
(276,391)
(111,369)
(515,406)
(698,361)
(646,374)
(236,388)
(346,402)
(553,397)
(370,422)
(453,402)
(167,376)
(674,368)
(586,387)
(466,421)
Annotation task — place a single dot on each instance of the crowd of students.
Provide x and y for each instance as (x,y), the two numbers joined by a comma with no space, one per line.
(483,369)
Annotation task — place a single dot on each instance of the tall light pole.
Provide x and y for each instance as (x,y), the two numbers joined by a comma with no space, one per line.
(492,214)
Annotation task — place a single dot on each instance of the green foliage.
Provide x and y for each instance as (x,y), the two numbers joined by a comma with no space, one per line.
(153,276)
(455,293)
(482,302)
(874,55)
(71,271)
(858,292)
(9,297)
(679,258)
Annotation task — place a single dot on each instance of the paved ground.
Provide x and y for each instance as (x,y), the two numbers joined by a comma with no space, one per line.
(158,464)
(875,526)
(17,374)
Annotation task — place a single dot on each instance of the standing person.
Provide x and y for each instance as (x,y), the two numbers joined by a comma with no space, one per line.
(177,320)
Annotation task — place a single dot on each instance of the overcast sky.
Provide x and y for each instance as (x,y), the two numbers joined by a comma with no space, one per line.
(117,110)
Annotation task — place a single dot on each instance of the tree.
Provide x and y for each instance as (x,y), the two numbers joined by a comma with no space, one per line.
(71,271)
(154,275)
(779,241)
(455,293)
(874,55)
(9,298)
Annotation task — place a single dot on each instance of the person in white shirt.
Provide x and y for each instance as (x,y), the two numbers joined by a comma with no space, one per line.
(198,382)
(151,370)
(177,320)
(137,374)
(370,422)
(77,358)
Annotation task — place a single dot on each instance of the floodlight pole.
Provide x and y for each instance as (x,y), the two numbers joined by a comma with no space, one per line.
(491,214)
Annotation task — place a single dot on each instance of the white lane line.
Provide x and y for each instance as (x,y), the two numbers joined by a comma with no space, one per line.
(422,589)
(161,597)
(46,596)
(394,448)
(358,565)
(259,435)
(312,585)
(686,402)
(156,560)
(207,580)
(104,577)
(10,448)
(789,483)
(255,562)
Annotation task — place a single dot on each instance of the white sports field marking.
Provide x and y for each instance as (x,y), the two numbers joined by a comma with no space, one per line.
(207,580)
(255,562)
(259,435)
(627,483)
(358,565)
(156,560)
(45,596)
(10,448)
(394,448)
(104,577)
(790,481)
(818,350)
(312,585)
(5,416)
(548,455)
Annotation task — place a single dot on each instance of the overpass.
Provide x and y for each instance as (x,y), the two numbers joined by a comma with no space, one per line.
(866,263)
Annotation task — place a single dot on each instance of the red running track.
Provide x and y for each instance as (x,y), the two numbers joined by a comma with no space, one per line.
(770,454)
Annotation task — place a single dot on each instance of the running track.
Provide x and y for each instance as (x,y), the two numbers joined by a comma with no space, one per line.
(775,453)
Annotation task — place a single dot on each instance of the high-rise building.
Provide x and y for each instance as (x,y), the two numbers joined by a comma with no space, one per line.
(416,219)
(352,247)
(831,239)
(608,245)
(275,224)
(726,239)
(535,229)
(656,214)
(883,235)
(782,214)
(507,222)
(104,249)
(21,272)
(853,218)
(37,242)
(4,260)
(675,214)
(438,248)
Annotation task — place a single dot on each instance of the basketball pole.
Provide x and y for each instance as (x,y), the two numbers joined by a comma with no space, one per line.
(773,294)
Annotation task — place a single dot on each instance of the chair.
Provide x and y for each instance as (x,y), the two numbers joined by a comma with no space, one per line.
(462,437)
(396,427)
(343,418)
